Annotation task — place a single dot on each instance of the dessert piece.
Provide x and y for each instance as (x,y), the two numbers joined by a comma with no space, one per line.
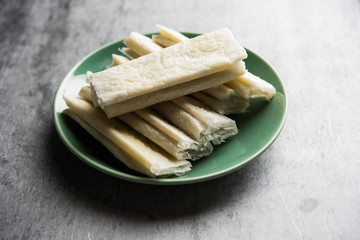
(192,59)
(220,126)
(129,52)
(251,86)
(227,100)
(184,120)
(141,44)
(134,150)
(158,130)
(169,93)
(118,59)
(158,39)
(228,106)
(171,34)
(194,149)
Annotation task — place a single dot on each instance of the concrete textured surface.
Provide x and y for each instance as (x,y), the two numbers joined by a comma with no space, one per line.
(305,186)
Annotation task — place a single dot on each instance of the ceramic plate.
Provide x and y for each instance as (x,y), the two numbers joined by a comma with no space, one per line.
(258,127)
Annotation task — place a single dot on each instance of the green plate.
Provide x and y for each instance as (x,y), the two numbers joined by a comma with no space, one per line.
(258,127)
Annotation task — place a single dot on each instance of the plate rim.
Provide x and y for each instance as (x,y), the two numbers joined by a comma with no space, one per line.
(161,181)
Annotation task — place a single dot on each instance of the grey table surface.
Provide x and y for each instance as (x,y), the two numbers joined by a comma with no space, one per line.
(305,186)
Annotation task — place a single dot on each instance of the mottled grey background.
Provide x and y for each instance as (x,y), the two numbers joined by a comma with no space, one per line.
(306,186)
